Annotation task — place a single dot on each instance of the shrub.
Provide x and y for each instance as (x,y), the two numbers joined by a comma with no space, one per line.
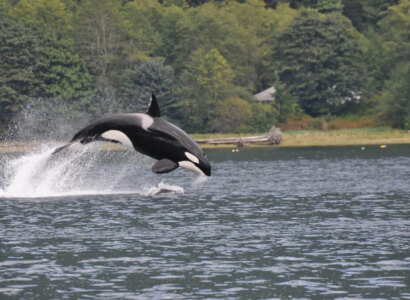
(233,115)
(264,116)
(307,122)
(361,122)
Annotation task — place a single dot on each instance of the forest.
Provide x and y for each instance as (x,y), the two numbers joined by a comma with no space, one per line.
(204,60)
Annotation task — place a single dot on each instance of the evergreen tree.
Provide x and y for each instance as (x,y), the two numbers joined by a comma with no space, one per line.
(366,14)
(33,65)
(395,28)
(318,59)
(62,73)
(395,100)
(328,6)
(145,78)
(19,49)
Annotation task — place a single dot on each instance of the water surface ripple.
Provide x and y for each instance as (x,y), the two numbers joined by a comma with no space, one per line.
(271,223)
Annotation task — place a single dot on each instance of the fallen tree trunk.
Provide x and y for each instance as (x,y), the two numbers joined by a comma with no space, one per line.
(273,137)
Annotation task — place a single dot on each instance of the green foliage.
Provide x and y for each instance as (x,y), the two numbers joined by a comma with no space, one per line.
(32,65)
(387,58)
(175,29)
(234,31)
(301,3)
(145,78)
(100,33)
(205,83)
(52,15)
(205,58)
(318,59)
(366,14)
(5,7)
(328,6)
(246,44)
(264,116)
(395,100)
(286,104)
(63,73)
(213,73)
(282,17)
(395,28)
(232,115)
(19,49)
(140,37)
(180,3)
(377,63)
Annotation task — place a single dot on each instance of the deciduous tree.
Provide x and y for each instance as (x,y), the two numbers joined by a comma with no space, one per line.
(100,34)
(205,83)
(50,15)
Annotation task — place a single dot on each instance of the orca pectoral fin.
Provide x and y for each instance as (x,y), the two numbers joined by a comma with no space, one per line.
(58,149)
(86,140)
(164,166)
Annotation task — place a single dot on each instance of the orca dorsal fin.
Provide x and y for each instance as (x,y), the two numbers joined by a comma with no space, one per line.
(153,110)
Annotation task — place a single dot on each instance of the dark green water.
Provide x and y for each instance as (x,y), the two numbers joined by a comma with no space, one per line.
(270,223)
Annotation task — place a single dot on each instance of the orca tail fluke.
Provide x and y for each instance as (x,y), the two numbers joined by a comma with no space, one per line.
(58,149)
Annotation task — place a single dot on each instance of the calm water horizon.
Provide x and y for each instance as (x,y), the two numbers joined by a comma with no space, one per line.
(320,222)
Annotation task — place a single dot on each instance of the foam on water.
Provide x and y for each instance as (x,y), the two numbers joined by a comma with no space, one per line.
(74,172)
(163,188)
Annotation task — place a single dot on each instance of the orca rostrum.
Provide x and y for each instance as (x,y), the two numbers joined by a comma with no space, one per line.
(148,134)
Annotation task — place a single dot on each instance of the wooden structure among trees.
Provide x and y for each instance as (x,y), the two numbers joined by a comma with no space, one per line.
(266,95)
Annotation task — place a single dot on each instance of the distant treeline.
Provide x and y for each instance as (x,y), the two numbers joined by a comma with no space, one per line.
(205,59)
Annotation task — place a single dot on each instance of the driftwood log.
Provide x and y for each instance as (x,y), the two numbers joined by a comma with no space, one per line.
(273,137)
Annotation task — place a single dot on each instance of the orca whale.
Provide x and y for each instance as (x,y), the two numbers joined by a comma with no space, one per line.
(150,135)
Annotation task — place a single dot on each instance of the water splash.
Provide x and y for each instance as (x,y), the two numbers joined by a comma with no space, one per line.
(25,175)
(82,170)
(163,188)
(200,181)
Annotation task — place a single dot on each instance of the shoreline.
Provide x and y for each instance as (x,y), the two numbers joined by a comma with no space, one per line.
(294,138)
(331,138)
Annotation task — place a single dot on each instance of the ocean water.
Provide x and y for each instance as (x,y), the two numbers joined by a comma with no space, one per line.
(270,223)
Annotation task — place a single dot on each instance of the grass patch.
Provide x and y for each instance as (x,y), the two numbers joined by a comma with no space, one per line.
(290,138)
(344,137)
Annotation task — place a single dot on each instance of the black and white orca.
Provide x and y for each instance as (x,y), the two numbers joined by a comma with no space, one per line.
(148,134)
